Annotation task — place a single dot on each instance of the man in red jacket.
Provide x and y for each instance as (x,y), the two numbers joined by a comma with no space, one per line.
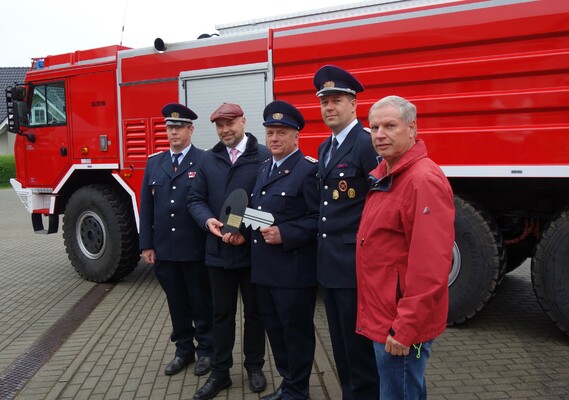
(404,252)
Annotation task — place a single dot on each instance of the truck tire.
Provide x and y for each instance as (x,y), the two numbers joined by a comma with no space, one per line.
(100,233)
(478,262)
(550,271)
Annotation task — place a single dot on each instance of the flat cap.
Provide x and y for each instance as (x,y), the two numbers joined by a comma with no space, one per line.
(280,112)
(178,114)
(228,111)
(331,79)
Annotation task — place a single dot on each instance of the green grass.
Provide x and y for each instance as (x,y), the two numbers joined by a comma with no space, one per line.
(7,170)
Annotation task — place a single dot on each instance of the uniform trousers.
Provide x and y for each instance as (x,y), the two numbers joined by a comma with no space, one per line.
(288,314)
(226,284)
(354,354)
(186,284)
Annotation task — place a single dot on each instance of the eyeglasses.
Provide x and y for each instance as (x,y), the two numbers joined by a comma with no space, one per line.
(172,128)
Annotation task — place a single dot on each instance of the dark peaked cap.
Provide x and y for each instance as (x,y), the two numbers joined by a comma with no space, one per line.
(280,112)
(178,114)
(332,79)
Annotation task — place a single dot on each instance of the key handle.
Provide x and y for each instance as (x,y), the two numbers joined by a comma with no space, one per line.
(233,210)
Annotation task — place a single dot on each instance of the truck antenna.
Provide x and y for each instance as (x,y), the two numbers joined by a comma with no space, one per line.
(123,21)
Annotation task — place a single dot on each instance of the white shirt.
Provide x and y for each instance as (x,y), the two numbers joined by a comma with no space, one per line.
(241,147)
(184,152)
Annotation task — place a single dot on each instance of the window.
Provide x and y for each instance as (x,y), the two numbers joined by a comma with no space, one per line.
(48,105)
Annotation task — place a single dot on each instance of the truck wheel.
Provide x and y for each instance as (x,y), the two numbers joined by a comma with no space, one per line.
(100,233)
(478,262)
(550,271)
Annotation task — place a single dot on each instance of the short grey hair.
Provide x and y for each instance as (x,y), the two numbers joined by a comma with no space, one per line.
(407,110)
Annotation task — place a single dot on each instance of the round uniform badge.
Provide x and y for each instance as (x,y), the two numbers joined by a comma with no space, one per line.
(351,193)
(335,194)
(343,185)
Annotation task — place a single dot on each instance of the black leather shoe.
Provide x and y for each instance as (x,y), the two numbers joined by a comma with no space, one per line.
(257,381)
(203,366)
(177,365)
(212,387)
(273,396)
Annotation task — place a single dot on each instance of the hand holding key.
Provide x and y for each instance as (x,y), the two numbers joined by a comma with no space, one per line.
(235,211)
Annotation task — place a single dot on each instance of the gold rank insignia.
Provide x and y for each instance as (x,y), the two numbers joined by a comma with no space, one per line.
(335,194)
(351,193)
(277,116)
(175,115)
(343,185)
(329,84)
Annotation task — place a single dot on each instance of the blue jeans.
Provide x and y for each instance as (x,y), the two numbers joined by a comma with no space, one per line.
(402,377)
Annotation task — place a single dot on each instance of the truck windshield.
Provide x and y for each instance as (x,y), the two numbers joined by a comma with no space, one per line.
(48,105)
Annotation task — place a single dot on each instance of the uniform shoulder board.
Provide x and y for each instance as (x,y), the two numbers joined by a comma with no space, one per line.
(311,159)
(267,160)
(155,154)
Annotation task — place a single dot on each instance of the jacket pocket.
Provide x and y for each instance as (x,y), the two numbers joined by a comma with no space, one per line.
(283,198)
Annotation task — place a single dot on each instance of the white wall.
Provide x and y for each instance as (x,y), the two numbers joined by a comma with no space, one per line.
(7,140)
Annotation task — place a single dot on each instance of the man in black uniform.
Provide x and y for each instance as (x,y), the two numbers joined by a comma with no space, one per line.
(283,256)
(231,164)
(171,240)
(344,162)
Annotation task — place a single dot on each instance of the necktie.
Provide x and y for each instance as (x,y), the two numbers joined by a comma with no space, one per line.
(332,150)
(234,153)
(175,162)
(273,169)
(334,147)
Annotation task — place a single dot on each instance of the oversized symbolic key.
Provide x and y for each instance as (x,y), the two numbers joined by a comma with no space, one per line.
(235,211)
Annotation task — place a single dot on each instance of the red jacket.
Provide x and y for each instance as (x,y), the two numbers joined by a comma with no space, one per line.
(404,251)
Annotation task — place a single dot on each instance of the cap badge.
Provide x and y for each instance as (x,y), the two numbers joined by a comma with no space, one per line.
(175,114)
(277,116)
(329,84)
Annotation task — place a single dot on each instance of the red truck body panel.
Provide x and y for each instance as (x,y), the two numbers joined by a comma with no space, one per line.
(491,84)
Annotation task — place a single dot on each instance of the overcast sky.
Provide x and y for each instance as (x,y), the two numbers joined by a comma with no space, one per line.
(37,28)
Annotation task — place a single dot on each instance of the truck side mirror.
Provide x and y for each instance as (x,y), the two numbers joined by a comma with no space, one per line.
(18,116)
(18,93)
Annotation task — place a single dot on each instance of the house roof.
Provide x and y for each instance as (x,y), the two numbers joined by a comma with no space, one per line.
(9,75)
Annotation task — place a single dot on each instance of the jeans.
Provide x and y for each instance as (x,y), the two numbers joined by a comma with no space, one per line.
(402,377)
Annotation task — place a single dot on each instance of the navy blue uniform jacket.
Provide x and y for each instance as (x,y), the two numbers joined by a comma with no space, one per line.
(343,185)
(165,223)
(215,180)
(291,195)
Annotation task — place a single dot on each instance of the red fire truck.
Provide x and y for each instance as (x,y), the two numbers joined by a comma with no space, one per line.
(490,79)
